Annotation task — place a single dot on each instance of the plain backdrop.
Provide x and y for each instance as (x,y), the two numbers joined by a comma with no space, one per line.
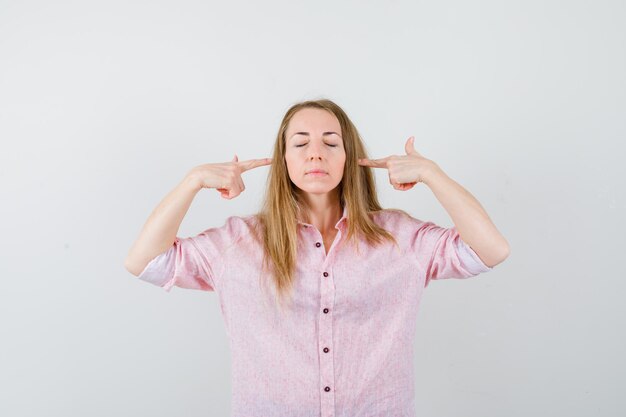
(106,105)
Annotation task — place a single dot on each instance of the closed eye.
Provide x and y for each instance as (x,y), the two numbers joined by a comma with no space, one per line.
(332,146)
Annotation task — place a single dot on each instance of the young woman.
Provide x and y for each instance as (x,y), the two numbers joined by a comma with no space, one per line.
(352,273)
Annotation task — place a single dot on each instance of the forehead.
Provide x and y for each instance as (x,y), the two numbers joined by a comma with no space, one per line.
(311,119)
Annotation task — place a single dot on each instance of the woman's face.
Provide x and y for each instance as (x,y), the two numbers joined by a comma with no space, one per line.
(313,142)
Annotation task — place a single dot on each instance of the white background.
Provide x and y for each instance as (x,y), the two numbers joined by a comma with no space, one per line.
(106,105)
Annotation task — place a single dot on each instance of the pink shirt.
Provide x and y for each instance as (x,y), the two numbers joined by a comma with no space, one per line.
(345,349)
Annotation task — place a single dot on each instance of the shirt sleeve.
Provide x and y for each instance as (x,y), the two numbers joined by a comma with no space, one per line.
(193,262)
(443,254)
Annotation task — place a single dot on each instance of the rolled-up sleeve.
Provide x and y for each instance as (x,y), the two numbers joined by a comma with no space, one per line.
(443,254)
(193,262)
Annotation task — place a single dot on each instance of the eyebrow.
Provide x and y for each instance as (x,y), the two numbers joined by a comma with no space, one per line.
(323,134)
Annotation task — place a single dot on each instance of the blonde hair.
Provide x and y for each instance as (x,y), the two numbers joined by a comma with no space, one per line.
(277,219)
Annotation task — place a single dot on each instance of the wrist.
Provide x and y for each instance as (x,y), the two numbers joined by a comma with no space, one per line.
(431,173)
(191,183)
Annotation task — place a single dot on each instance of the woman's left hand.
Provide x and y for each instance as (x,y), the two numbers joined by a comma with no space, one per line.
(404,170)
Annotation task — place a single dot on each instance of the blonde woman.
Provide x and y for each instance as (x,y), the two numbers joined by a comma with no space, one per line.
(344,276)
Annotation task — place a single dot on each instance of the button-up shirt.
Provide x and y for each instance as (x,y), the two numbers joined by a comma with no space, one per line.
(344,347)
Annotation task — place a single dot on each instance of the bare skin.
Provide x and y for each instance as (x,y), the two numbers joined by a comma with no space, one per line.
(159,231)
(469,217)
(313,141)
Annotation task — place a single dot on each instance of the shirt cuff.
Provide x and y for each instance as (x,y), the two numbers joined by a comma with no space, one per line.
(160,270)
(470,259)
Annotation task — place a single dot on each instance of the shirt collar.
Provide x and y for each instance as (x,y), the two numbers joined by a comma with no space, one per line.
(343,218)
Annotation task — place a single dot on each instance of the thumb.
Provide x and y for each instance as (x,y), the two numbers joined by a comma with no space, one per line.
(235,159)
(408,146)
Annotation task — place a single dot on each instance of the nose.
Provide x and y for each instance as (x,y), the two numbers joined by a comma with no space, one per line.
(315,149)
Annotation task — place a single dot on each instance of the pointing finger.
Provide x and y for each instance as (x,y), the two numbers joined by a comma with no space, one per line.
(374,163)
(254,163)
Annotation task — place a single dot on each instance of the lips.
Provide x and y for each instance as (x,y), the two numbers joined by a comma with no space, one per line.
(317,171)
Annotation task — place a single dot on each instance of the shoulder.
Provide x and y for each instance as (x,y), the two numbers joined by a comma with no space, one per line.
(395,219)
(237,228)
(233,227)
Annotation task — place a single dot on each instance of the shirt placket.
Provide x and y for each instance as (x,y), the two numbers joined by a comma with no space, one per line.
(325,337)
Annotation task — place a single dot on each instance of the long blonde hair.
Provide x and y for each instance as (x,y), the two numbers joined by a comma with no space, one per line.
(277,219)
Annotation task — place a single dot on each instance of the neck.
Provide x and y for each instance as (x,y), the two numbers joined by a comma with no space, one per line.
(323,211)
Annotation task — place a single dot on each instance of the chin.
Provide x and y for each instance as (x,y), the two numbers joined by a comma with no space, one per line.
(316,189)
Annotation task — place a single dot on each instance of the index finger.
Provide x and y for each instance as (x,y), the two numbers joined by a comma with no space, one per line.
(374,163)
(254,163)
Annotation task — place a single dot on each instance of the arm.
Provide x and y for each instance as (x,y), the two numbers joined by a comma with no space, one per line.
(159,231)
(471,220)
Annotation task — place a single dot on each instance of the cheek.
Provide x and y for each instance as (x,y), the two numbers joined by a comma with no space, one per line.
(341,162)
(289,162)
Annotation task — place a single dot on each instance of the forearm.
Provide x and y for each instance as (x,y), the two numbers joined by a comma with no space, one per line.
(471,220)
(159,231)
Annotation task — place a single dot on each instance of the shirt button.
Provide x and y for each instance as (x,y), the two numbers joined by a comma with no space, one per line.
(327,389)
(325,350)
(325,311)
(325,274)
(318,244)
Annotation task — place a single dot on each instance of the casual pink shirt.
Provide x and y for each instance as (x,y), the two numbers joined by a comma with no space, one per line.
(345,348)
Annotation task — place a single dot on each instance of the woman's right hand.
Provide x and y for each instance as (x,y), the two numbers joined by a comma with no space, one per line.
(225,177)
